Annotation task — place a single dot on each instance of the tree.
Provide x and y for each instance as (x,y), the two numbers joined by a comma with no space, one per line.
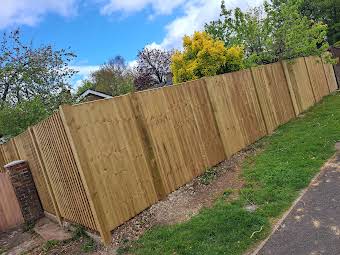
(326,11)
(153,67)
(204,56)
(113,78)
(85,85)
(15,119)
(26,72)
(282,32)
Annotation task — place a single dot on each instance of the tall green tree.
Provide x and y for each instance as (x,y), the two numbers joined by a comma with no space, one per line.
(113,78)
(27,71)
(277,30)
(15,119)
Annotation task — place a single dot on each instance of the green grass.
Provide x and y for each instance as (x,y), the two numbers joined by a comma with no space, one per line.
(289,160)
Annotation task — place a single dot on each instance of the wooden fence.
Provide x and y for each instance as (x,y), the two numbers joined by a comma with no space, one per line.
(10,212)
(101,163)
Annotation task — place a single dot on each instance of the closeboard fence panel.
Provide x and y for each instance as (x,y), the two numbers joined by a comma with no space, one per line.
(244,99)
(226,118)
(317,77)
(26,150)
(301,88)
(330,76)
(10,211)
(166,146)
(112,157)
(209,136)
(273,94)
(63,172)
(9,151)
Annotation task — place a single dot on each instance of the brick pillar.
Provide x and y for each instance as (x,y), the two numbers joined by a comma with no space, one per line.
(25,190)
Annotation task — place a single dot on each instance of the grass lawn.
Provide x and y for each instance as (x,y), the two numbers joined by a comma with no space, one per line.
(289,160)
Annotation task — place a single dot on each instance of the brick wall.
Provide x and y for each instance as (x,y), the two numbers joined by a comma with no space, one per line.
(25,190)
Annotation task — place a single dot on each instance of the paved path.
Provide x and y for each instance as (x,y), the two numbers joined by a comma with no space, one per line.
(313,226)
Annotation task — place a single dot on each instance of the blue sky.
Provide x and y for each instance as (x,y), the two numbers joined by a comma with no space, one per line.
(99,29)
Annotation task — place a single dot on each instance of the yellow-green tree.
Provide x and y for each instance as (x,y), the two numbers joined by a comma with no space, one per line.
(204,56)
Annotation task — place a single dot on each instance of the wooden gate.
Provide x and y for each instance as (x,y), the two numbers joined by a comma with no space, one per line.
(10,213)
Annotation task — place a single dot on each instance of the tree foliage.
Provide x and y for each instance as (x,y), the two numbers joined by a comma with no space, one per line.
(153,68)
(204,56)
(327,11)
(15,119)
(113,78)
(275,31)
(26,72)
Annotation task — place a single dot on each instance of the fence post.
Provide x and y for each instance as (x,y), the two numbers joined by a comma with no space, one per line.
(148,147)
(290,87)
(44,173)
(96,207)
(258,100)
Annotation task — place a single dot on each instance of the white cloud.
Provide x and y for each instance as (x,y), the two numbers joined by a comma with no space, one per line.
(196,14)
(130,6)
(83,73)
(30,12)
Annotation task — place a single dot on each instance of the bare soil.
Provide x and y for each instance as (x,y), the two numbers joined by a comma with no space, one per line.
(177,207)
(188,200)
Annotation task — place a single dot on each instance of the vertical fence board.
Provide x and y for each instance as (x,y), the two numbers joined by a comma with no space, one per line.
(112,157)
(27,152)
(317,77)
(245,102)
(301,88)
(227,121)
(9,151)
(274,96)
(10,212)
(172,166)
(210,139)
(62,171)
(330,76)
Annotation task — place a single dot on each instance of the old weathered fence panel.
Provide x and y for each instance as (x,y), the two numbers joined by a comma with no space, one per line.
(62,171)
(317,77)
(330,76)
(274,96)
(299,83)
(10,212)
(27,151)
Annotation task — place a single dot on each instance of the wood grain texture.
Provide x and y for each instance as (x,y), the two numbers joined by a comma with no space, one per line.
(300,85)
(330,76)
(247,108)
(27,152)
(273,94)
(111,155)
(10,212)
(2,160)
(9,151)
(62,171)
(317,77)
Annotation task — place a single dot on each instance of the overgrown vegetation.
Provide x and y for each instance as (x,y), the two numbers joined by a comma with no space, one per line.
(286,164)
